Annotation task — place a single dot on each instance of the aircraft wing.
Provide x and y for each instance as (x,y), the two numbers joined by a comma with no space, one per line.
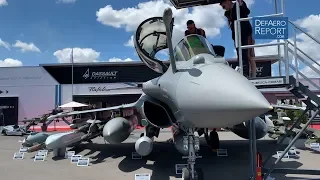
(288,107)
(64,114)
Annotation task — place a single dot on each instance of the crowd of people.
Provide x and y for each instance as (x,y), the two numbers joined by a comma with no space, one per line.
(249,64)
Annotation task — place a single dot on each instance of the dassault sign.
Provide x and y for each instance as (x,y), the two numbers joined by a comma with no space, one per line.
(100,74)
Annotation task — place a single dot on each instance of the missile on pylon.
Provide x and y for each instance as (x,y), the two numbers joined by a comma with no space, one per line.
(62,140)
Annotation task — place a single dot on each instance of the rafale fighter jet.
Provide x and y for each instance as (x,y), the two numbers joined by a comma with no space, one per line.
(197,91)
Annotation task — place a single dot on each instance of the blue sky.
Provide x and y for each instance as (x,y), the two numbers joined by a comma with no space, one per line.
(52,25)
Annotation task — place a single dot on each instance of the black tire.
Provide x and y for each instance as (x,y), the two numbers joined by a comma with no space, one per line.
(185,174)
(214,140)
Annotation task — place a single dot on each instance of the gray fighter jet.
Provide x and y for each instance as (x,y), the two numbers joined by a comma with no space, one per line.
(197,91)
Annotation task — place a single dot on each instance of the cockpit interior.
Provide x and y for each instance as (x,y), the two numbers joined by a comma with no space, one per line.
(191,46)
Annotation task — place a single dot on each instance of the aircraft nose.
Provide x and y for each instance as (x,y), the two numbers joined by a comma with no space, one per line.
(220,97)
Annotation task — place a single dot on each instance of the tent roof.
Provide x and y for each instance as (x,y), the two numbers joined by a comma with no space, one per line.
(73,104)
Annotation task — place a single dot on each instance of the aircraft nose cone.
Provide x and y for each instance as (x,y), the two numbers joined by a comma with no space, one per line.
(220,97)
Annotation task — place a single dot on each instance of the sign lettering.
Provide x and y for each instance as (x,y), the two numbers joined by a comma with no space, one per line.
(271,81)
(20,78)
(260,70)
(6,107)
(97,89)
(270,28)
(100,74)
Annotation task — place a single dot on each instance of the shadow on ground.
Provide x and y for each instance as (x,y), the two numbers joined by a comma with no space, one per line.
(164,157)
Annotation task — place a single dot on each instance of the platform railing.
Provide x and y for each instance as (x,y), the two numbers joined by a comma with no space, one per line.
(297,57)
(240,47)
(295,50)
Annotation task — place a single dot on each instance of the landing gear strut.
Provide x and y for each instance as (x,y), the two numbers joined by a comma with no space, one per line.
(192,144)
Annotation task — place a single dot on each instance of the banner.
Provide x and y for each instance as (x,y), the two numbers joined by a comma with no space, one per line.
(270,27)
(263,68)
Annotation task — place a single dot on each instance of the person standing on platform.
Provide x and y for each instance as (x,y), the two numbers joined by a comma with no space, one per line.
(246,33)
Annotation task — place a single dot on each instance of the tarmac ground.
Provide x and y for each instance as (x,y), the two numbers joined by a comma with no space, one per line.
(114,161)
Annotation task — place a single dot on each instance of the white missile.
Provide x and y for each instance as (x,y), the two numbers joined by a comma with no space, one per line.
(62,140)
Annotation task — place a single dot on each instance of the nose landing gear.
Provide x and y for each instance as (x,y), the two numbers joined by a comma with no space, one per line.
(192,144)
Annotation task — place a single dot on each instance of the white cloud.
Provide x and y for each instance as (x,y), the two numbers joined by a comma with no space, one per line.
(120,60)
(80,55)
(129,43)
(3,43)
(66,1)
(210,18)
(10,62)
(3,3)
(24,47)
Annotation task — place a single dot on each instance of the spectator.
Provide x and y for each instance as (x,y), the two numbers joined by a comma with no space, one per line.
(192,29)
(246,33)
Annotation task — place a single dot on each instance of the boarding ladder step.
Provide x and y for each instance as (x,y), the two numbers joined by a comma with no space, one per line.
(302,91)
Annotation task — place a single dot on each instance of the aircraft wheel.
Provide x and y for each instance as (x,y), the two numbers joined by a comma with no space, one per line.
(214,140)
(185,174)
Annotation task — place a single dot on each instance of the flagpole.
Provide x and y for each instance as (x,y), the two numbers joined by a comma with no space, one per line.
(72,72)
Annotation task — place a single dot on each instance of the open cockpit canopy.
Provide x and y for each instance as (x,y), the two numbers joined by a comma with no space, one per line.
(150,38)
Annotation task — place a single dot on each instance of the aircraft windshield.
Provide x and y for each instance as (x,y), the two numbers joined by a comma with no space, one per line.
(191,46)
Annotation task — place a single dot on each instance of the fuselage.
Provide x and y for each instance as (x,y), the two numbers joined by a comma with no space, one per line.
(206,92)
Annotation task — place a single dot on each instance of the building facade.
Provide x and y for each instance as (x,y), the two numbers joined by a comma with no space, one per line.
(26,92)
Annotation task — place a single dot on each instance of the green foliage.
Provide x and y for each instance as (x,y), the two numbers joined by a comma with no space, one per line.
(295,114)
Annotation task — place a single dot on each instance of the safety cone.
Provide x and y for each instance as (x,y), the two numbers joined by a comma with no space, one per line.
(259,167)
